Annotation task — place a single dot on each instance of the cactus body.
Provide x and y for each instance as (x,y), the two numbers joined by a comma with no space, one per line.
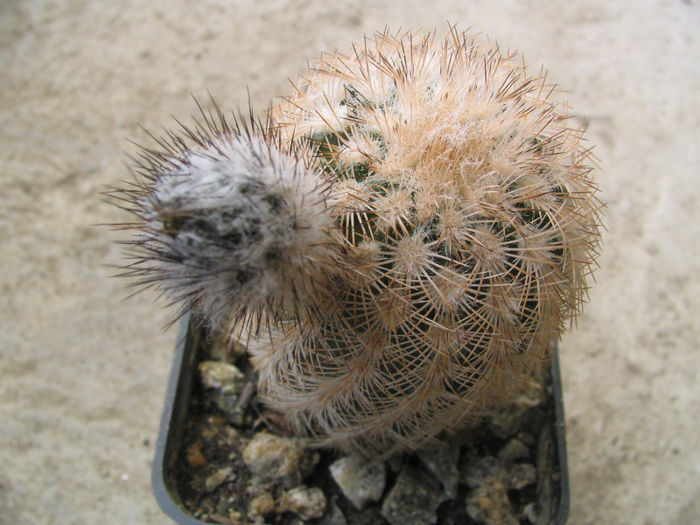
(432,229)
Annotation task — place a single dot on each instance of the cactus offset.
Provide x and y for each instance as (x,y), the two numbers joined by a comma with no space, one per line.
(231,223)
(425,223)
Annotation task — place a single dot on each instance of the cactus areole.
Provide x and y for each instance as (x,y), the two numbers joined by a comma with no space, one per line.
(398,244)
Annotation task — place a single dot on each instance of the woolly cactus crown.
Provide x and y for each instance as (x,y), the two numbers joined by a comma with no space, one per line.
(415,225)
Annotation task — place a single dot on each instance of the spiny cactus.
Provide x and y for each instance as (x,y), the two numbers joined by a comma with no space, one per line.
(398,245)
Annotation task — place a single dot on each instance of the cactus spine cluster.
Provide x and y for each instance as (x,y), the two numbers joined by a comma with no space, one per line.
(398,245)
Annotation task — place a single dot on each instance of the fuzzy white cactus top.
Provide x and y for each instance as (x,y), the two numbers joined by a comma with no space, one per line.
(232,224)
(415,225)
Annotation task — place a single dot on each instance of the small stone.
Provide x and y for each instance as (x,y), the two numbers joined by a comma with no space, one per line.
(490,479)
(218,478)
(305,502)
(414,499)
(216,429)
(195,456)
(262,504)
(489,504)
(442,460)
(514,449)
(476,470)
(273,457)
(487,468)
(223,384)
(520,476)
(222,376)
(360,481)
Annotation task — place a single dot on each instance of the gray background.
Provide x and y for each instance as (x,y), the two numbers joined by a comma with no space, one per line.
(83,372)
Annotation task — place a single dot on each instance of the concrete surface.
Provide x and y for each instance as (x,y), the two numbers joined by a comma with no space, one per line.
(83,372)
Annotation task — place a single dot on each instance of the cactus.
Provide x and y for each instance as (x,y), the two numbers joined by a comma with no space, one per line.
(398,244)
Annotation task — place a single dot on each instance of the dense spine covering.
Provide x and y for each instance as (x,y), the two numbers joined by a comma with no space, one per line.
(231,223)
(433,226)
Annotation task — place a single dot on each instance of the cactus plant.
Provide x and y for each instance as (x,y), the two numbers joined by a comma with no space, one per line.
(398,244)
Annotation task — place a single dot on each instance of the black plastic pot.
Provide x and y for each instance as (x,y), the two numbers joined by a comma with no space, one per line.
(190,346)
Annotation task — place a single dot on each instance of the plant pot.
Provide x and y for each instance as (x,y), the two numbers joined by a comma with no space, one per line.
(552,487)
